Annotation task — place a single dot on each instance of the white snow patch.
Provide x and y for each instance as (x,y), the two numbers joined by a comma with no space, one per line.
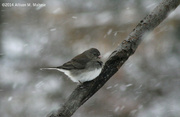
(74,17)
(109,87)
(128,85)
(109,32)
(10,98)
(117,108)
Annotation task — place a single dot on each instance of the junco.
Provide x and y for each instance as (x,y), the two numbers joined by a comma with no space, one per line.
(83,67)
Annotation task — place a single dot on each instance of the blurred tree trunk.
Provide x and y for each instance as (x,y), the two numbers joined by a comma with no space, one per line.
(84,91)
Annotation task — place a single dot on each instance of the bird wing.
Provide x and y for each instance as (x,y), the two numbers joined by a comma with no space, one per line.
(78,62)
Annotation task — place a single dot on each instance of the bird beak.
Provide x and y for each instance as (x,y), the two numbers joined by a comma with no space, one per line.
(99,57)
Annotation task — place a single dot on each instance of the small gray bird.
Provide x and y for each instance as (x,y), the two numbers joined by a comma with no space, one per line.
(83,67)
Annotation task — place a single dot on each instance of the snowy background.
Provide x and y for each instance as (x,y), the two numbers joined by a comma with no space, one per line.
(148,84)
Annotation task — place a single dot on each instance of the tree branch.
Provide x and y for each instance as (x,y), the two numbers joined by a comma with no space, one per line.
(83,92)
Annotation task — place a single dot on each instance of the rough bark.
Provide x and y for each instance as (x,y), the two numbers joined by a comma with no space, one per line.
(84,91)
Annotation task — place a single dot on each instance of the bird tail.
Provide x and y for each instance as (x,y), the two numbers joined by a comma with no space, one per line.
(50,68)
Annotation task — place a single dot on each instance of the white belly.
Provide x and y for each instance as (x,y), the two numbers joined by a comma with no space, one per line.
(88,76)
(83,77)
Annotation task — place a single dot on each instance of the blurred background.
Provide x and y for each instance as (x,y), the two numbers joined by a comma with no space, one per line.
(32,37)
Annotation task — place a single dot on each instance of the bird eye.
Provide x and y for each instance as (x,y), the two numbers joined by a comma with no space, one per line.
(95,54)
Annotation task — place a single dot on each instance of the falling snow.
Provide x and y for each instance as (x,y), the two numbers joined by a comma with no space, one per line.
(147,85)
